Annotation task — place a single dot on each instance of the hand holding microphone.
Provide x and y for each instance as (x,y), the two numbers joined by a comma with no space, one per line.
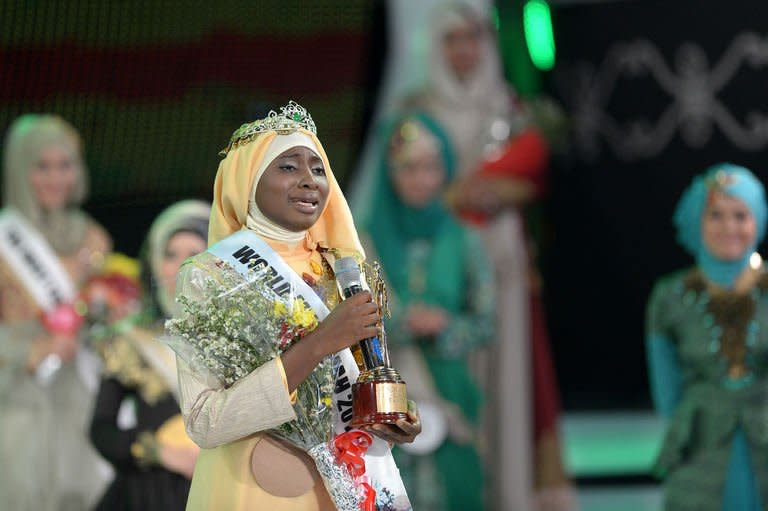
(350,322)
(350,281)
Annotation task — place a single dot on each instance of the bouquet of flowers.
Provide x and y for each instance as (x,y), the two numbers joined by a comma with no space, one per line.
(239,325)
(102,302)
(103,307)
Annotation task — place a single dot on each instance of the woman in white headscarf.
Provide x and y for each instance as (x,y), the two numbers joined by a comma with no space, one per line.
(137,424)
(48,248)
(465,90)
(501,160)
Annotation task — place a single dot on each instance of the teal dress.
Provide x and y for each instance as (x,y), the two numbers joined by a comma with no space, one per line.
(429,258)
(708,364)
(452,477)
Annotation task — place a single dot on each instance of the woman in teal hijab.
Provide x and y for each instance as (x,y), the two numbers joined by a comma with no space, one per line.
(443,307)
(707,342)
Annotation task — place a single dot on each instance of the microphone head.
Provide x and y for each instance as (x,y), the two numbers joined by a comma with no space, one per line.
(347,272)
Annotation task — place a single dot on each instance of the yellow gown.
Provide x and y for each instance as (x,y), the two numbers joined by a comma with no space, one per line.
(258,472)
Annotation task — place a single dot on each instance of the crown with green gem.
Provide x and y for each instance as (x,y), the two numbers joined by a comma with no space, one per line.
(292,117)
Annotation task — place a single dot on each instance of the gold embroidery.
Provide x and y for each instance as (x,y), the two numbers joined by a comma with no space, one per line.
(732,313)
(317,268)
(124,363)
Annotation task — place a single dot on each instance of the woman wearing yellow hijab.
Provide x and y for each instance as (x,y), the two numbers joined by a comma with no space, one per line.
(275,182)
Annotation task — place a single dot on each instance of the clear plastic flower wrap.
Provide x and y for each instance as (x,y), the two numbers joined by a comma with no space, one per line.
(231,324)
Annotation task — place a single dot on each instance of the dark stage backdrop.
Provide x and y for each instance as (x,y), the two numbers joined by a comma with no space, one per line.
(156,88)
(657,91)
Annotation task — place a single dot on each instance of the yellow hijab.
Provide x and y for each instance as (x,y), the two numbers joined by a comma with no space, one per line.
(335,228)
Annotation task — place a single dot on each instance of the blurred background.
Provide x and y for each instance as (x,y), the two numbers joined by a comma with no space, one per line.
(652,92)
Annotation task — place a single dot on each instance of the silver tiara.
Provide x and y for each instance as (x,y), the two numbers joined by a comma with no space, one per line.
(292,117)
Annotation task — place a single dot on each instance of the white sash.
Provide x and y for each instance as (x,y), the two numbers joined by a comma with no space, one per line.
(244,251)
(33,262)
(39,270)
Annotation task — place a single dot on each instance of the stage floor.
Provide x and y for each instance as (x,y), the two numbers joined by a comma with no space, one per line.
(629,498)
(610,456)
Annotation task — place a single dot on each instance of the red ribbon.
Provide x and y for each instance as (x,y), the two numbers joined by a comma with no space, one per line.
(350,448)
(369,504)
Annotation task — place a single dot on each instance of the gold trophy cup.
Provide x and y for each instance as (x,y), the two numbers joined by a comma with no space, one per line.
(379,395)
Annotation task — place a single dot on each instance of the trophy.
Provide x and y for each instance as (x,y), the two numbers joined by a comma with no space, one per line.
(378,396)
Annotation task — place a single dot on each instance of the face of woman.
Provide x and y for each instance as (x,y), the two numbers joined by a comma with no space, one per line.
(728,227)
(461,48)
(418,177)
(53,177)
(180,247)
(293,190)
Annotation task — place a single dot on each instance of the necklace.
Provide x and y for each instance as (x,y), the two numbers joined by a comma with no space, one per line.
(733,330)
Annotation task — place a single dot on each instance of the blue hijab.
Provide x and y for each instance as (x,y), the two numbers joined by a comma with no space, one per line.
(734,181)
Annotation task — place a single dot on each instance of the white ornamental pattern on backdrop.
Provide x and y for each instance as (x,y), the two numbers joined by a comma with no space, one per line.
(692,84)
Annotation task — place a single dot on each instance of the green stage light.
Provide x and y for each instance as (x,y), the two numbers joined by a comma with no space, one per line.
(539,36)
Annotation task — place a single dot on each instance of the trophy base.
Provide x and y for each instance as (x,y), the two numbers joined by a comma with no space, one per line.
(378,402)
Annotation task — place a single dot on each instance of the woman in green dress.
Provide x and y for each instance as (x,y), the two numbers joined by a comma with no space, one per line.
(442,308)
(707,341)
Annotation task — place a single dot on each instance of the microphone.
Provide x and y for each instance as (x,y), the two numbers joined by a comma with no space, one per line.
(350,281)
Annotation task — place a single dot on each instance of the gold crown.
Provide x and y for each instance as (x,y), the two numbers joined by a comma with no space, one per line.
(291,118)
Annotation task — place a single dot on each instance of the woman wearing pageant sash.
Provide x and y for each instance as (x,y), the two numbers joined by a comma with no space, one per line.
(443,309)
(48,249)
(137,424)
(278,208)
(707,342)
